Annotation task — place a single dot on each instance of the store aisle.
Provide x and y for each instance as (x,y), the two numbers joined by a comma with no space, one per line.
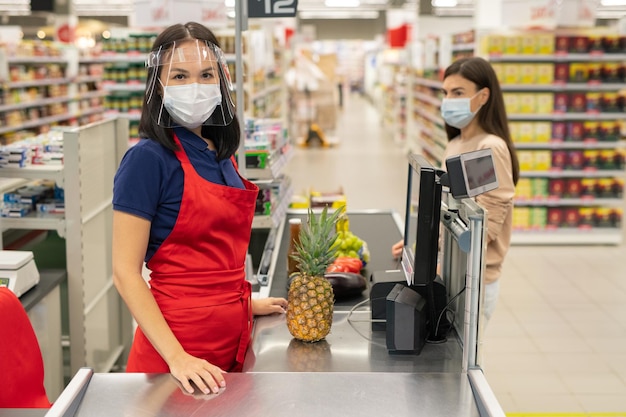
(370,168)
(557,341)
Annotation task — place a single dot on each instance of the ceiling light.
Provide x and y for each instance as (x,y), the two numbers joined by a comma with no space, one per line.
(342,3)
(338,14)
(613,2)
(444,3)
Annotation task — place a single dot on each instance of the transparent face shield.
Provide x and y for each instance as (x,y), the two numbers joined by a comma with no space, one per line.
(191,81)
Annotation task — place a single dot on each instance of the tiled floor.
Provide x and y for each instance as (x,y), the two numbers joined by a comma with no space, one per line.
(556,344)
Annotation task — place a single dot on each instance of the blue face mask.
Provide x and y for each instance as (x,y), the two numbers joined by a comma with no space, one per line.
(457,112)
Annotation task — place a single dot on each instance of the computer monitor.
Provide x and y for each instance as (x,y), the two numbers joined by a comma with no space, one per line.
(421,224)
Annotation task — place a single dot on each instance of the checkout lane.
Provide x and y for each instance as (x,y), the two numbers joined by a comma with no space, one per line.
(350,373)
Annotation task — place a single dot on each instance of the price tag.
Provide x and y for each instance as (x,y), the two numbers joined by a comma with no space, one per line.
(272,8)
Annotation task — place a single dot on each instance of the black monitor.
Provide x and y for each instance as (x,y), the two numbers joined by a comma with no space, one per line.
(421,223)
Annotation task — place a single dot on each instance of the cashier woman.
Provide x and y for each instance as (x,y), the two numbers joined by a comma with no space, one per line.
(181,206)
(475,118)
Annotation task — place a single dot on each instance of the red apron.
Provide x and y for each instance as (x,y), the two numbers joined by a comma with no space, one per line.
(198,275)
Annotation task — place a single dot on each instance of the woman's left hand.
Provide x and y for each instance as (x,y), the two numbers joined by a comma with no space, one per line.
(269,305)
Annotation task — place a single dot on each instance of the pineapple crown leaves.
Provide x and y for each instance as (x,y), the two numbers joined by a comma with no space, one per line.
(316,249)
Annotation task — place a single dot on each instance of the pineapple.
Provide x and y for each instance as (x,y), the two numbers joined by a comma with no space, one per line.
(310,298)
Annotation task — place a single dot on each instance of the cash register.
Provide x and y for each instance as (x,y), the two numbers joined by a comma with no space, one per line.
(18,271)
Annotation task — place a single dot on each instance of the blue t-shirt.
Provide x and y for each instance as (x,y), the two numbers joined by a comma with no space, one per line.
(149,181)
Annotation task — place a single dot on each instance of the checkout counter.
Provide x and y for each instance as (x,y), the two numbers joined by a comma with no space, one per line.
(350,373)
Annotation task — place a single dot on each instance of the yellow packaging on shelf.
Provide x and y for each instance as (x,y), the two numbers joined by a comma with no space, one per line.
(544,103)
(542,132)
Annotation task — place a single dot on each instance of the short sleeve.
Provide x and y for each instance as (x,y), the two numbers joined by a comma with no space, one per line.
(137,183)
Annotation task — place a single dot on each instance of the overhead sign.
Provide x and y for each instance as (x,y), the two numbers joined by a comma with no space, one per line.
(162,13)
(272,8)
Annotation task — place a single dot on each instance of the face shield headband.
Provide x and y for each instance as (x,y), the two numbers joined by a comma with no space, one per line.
(191,81)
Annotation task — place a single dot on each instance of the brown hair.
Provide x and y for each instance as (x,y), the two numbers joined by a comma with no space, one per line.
(492,116)
(225,138)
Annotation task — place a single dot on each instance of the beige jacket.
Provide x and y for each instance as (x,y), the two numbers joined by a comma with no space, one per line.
(498,203)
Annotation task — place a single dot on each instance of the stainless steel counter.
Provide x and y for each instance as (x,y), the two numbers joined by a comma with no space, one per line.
(350,347)
(284,394)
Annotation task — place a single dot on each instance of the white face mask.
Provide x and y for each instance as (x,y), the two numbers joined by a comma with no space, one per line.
(457,112)
(190,105)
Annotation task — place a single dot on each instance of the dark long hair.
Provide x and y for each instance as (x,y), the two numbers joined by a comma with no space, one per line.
(225,138)
(492,116)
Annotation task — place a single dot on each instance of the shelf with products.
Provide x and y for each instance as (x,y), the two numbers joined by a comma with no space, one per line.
(41,86)
(100,329)
(565,99)
(263,66)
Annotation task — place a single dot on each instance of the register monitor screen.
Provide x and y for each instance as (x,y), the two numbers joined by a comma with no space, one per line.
(421,224)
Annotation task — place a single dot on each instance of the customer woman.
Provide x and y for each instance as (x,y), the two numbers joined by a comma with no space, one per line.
(181,206)
(475,118)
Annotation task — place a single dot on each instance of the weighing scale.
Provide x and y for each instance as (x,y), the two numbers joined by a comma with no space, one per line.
(18,271)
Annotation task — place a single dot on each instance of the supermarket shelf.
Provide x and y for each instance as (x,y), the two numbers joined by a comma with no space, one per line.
(563,87)
(49,120)
(557,202)
(463,47)
(277,162)
(426,98)
(37,60)
(134,116)
(570,145)
(38,83)
(35,103)
(10,184)
(429,116)
(124,86)
(568,116)
(588,57)
(427,82)
(278,212)
(91,94)
(266,91)
(597,173)
(573,236)
(36,221)
(88,79)
(34,172)
(139,58)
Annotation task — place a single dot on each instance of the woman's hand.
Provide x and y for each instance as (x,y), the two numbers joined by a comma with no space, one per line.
(396,249)
(269,305)
(207,377)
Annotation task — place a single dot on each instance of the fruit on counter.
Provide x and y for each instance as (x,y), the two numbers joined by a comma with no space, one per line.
(345,264)
(348,244)
(310,297)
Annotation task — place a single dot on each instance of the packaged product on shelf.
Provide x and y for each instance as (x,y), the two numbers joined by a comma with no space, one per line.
(556,187)
(575,132)
(610,102)
(544,103)
(511,73)
(578,72)
(523,190)
(577,103)
(571,217)
(555,217)
(560,102)
(561,72)
(586,217)
(609,131)
(544,74)
(592,102)
(573,188)
(591,131)
(575,160)
(545,44)
(538,218)
(542,160)
(559,131)
(539,188)
(527,74)
(521,218)
(542,132)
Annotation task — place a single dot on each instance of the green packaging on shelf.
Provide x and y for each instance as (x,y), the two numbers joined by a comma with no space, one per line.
(257,159)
